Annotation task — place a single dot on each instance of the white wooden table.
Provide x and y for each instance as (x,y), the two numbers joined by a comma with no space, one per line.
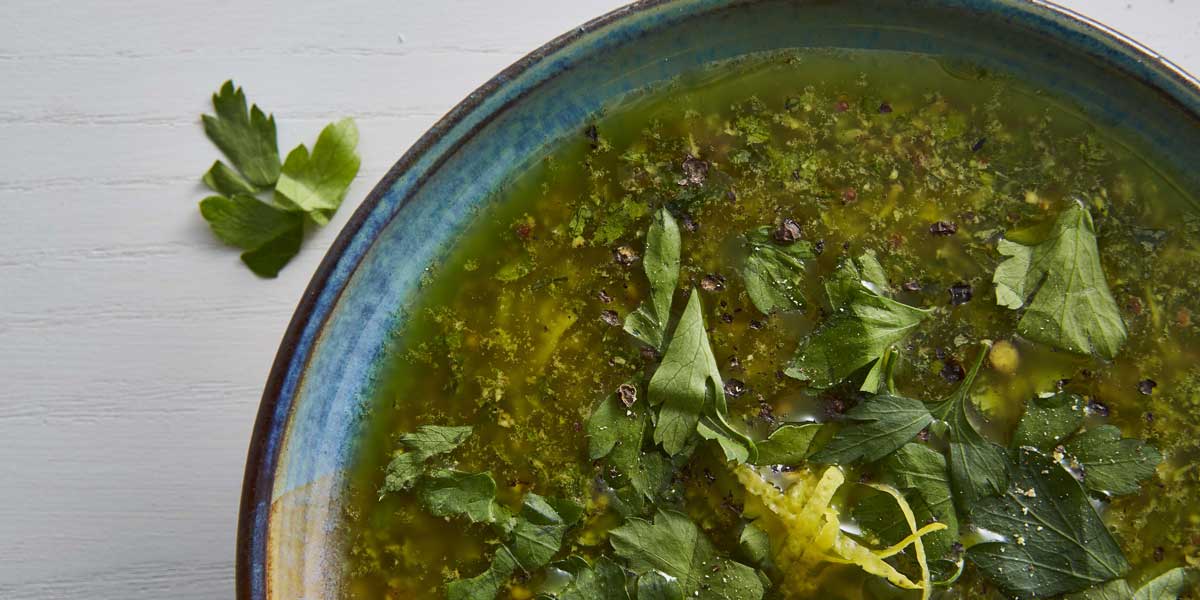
(133,346)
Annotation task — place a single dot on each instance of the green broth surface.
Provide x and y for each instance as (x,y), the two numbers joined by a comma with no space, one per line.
(865,151)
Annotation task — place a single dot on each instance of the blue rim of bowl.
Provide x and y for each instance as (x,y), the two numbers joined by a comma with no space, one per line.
(1132,59)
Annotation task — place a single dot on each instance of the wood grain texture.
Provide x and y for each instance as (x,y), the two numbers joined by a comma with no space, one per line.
(133,347)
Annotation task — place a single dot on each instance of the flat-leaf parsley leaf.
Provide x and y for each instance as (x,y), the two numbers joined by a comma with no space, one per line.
(648,322)
(603,581)
(1048,420)
(674,545)
(421,445)
(1167,586)
(978,467)
(864,325)
(316,183)
(688,387)
(788,445)
(1071,306)
(875,428)
(449,493)
(246,137)
(615,433)
(1054,542)
(1112,464)
(774,273)
(269,236)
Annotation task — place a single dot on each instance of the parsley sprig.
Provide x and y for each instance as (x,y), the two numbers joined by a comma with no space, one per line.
(308,186)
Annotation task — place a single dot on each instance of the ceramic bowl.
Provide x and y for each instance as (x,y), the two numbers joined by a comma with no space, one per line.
(324,374)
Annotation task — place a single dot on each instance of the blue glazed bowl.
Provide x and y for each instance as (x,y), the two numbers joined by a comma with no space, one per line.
(326,368)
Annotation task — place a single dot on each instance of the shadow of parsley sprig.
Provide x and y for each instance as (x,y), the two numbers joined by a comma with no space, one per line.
(262,205)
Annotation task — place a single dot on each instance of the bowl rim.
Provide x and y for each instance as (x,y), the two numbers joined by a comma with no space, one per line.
(1157,72)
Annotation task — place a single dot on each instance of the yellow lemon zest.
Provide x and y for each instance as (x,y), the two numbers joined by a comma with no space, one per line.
(911,520)
(899,547)
(805,530)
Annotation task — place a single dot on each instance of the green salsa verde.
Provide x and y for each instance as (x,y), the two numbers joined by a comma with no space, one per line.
(809,325)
